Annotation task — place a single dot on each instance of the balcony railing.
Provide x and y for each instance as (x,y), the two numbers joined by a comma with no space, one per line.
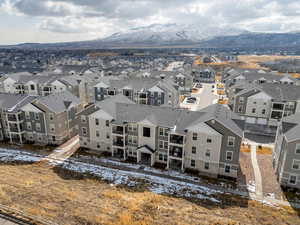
(118,143)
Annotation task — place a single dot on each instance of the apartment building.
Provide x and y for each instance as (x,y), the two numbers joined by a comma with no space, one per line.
(145,91)
(44,84)
(265,104)
(42,120)
(207,141)
(286,155)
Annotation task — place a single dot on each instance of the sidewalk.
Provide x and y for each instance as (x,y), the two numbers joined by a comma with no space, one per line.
(64,151)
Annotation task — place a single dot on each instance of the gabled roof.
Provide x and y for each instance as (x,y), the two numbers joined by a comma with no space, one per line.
(14,102)
(56,102)
(291,127)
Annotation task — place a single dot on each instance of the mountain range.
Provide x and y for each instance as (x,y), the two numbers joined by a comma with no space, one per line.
(174,35)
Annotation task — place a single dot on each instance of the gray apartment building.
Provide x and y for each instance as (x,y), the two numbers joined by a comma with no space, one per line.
(42,120)
(207,141)
(286,156)
(147,91)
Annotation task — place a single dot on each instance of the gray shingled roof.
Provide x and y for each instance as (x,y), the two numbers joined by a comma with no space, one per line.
(55,102)
(13,102)
(291,127)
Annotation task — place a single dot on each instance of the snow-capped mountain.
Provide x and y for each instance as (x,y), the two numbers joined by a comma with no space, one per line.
(163,33)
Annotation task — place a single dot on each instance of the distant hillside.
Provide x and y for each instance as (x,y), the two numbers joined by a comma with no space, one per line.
(174,35)
(254,40)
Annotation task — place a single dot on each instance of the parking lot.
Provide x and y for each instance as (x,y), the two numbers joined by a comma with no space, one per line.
(204,96)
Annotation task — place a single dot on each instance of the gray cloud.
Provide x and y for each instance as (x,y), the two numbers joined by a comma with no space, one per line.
(62,16)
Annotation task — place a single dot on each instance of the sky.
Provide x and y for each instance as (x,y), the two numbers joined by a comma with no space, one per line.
(76,20)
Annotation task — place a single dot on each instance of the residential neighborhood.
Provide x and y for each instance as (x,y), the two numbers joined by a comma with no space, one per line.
(192,119)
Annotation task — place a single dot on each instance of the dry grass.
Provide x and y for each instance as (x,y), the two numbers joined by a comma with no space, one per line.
(264,150)
(67,199)
(223,101)
(245,148)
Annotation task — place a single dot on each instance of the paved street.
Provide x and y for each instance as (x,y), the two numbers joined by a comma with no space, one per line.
(6,222)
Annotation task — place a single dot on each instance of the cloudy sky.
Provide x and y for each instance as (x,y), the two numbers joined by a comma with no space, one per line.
(73,20)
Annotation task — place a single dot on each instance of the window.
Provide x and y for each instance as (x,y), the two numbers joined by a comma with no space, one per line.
(28,125)
(263,111)
(166,145)
(32,87)
(241,99)
(208,140)
(52,127)
(146,132)
(206,166)
(194,150)
(161,131)
(231,141)
(97,133)
(84,131)
(253,110)
(296,164)
(293,179)
(254,103)
(107,123)
(129,127)
(193,163)
(51,116)
(27,115)
(227,169)
(240,109)
(37,116)
(160,157)
(229,155)
(161,144)
(107,135)
(83,119)
(97,122)
(297,149)
(207,153)
(38,126)
(166,132)
(195,136)
(134,140)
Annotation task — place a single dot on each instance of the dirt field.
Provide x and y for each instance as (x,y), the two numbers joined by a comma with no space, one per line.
(67,198)
(251,61)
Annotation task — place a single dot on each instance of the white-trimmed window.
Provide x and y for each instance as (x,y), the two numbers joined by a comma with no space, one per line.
(97,133)
(207,153)
(84,131)
(28,125)
(161,131)
(231,141)
(161,144)
(37,116)
(206,165)
(194,150)
(296,164)
(227,169)
(229,155)
(51,116)
(195,136)
(38,126)
(242,99)
(166,145)
(209,140)
(83,119)
(297,150)
(193,163)
(27,115)
(97,122)
(292,179)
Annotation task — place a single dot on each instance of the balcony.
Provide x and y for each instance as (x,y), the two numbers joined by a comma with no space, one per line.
(278,106)
(118,130)
(176,152)
(176,139)
(118,143)
(14,117)
(143,95)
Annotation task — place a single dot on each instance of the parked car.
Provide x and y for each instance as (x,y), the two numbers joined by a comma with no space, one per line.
(191,100)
